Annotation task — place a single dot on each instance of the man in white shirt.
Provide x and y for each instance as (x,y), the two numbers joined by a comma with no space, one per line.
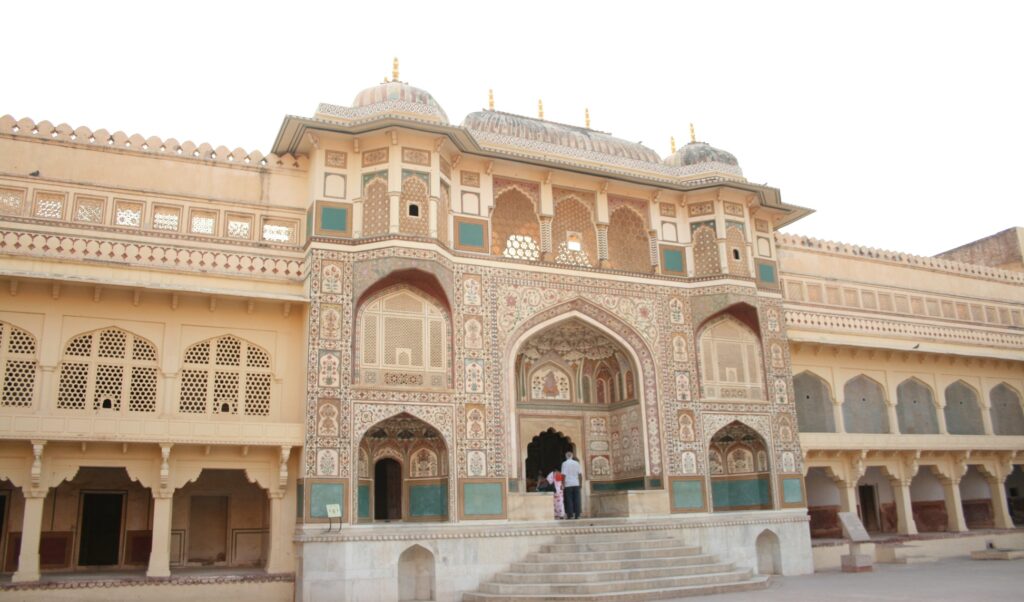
(573,474)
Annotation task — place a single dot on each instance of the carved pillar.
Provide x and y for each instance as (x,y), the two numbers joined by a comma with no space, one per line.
(160,551)
(280,527)
(1000,509)
(940,414)
(954,504)
(545,238)
(904,511)
(602,245)
(847,496)
(652,244)
(894,422)
(31,532)
(986,417)
(837,414)
(394,209)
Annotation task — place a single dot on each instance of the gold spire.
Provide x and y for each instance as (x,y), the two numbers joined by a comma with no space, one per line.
(586,117)
(540,108)
(693,136)
(490,100)
(673,145)
(394,70)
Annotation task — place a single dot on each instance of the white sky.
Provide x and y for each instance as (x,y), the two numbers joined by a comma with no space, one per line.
(901,123)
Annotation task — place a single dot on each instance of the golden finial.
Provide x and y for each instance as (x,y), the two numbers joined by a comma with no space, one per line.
(586,117)
(540,109)
(490,99)
(673,145)
(394,70)
(693,136)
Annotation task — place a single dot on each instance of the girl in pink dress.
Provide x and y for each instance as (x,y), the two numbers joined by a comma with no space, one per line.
(558,483)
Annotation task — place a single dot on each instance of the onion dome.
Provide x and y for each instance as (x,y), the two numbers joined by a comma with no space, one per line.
(497,127)
(701,152)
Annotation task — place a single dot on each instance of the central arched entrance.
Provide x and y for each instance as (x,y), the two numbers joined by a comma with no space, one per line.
(739,469)
(545,453)
(403,472)
(576,378)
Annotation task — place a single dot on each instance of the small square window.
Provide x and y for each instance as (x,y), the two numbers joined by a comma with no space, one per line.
(278,231)
(414,210)
(239,226)
(573,241)
(89,209)
(49,205)
(128,214)
(166,218)
(203,222)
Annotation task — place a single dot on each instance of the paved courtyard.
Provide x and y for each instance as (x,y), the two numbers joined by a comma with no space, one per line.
(952,579)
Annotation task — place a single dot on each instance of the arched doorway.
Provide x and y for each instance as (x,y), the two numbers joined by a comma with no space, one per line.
(402,472)
(545,453)
(739,469)
(387,490)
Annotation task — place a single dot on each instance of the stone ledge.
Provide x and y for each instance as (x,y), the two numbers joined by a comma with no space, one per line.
(492,530)
(73,582)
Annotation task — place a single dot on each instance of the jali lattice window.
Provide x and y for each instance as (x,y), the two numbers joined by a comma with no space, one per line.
(730,361)
(226,375)
(17,366)
(403,341)
(109,369)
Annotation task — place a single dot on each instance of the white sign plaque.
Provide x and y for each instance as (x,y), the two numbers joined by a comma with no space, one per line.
(333,510)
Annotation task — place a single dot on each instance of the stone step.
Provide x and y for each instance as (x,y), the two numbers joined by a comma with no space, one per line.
(603,587)
(997,554)
(613,535)
(665,593)
(611,545)
(913,559)
(535,568)
(562,557)
(613,575)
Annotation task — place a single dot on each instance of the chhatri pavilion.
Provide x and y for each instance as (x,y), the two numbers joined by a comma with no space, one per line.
(335,371)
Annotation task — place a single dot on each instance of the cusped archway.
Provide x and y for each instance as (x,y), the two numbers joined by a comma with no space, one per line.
(738,466)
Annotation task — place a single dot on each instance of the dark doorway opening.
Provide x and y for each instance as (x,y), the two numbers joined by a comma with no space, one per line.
(868,498)
(545,453)
(387,490)
(100,529)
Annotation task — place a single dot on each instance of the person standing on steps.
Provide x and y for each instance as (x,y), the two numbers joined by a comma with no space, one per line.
(573,477)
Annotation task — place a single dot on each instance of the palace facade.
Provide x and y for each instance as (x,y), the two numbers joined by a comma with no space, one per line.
(205,352)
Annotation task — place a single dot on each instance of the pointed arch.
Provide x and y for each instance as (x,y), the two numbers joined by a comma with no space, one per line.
(915,408)
(730,359)
(416,574)
(108,369)
(1007,414)
(628,241)
(18,366)
(814,405)
(740,483)
(225,375)
(864,406)
(963,412)
(376,204)
(515,227)
(631,341)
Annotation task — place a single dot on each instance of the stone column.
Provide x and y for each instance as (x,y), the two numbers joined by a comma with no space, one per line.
(847,496)
(894,421)
(954,505)
(279,534)
(394,211)
(1000,509)
(160,550)
(904,511)
(31,532)
(357,219)
(986,417)
(940,414)
(837,415)
(545,238)
(652,246)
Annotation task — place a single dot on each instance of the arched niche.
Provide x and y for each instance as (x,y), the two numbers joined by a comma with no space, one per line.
(769,553)
(402,339)
(416,574)
(730,359)
(963,414)
(915,408)
(739,469)
(814,413)
(1007,415)
(407,477)
(864,408)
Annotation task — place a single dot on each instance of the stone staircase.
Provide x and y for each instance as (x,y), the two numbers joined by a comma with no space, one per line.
(614,567)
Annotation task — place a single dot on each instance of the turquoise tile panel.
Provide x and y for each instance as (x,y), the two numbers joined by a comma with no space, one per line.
(739,493)
(471,235)
(428,500)
(687,495)
(792,493)
(334,218)
(672,260)
(364,501)
(617,485)
(321,494)
(766,272)
(482,499)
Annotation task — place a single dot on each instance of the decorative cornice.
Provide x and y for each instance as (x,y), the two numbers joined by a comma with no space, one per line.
(806,243)
(149,581)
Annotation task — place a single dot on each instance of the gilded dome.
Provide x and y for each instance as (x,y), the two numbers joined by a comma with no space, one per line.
(696,153)
(517,130)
